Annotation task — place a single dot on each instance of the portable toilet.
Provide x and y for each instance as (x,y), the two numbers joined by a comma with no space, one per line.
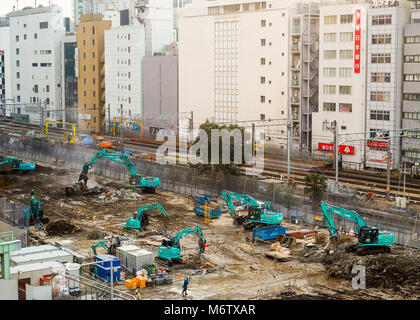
(103,267)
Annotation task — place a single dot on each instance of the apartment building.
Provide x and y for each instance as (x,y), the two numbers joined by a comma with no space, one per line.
(233,61)
(69,79)
(384,83)
(5,60)
(91,72)
(343,48)
(124,52)
(410,153)
(35,35)
(303,76)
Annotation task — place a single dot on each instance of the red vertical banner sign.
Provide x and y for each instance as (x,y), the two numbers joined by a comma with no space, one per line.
(357,36)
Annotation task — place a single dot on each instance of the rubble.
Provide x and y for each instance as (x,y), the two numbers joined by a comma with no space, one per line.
(60,228)
(117,195)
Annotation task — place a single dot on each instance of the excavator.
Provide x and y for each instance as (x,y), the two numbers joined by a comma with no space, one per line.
(147,183)
(371,240)
(259,212)
(141,218)
(112,249)
(170,250)
(13,164)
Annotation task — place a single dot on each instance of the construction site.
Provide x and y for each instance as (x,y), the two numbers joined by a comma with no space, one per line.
(129,234)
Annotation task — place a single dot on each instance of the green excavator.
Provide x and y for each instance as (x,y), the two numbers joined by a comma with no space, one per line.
(170,250)
(136,180)
(111,249)
(141,218)
(259,212)
(371,240)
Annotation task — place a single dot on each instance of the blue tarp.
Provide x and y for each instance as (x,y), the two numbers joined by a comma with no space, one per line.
(87,140)
(127,152)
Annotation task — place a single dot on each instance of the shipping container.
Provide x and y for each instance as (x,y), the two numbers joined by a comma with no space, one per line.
(268,232)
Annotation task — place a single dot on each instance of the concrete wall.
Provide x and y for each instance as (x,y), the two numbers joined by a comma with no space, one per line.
(8,290)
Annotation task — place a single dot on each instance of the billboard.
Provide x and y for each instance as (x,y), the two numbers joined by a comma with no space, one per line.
(84,116)
(357,41)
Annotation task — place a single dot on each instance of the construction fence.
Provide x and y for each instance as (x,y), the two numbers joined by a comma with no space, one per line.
(189,182)
(12,218)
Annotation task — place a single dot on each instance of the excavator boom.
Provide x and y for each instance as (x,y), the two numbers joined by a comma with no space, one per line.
(142,219)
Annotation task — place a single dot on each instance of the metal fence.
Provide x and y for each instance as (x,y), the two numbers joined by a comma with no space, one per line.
(12,214)
(189,181)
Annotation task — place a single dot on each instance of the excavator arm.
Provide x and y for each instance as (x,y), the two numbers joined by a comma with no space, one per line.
(230,196)
(187,231)
(328,211)
(142,220)
(100,244)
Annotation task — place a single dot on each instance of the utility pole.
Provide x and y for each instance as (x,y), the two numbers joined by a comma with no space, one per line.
(405,172)
(253,147)
(388,171)
(334,130)
(112,280)
(121,133)
(289,129)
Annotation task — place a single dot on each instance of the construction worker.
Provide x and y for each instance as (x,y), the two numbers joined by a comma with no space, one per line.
(35,208)
(186,282)
(138,296)
(83,176)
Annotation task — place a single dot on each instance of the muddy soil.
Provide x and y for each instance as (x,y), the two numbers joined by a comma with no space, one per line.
(231,267)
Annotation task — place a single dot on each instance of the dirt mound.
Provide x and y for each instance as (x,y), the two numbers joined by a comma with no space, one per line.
(60,228)
(95,235)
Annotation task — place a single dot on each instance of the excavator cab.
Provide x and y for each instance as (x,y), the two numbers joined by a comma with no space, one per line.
(254,213)
(368,235)
(167,242)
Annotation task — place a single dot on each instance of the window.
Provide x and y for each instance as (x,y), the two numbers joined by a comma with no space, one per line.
(17,63)
(45,64)
(379,115)
(381,58)
(262,42)
(263,23)
(343,127)
(36,88)
(380,77)
(93,55)
(34,64)
(346,54)
(330,37)
(47,88)
(330,54)
(413,135)
(24,37)
(93,41)
(329,72)
(381,39)
(84,42)
(381,19)
(129,62)
(411,115)
(346,18)
(412,39)
(84,29)
(93,67)
(346,36)
(330,19)
(329,106)
(17,75)
(35,36)
(262,99)
(346,72)
(380,96)
(43,25)
(94,94)
(262,80)
(345,107)
(329,89)
(18,98)
(412,96)
(18,86)
(17,51)
(93,30)
(84,55)
(84,68)
(345,90)
(412,58)
(45,52)
(17,38)
(412,77)
(262,116)
(94,80)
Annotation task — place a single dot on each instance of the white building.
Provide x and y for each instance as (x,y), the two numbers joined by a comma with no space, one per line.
(124,52)
(158,19)
(342,82)
(35,36)
(384,82)
(233,60)
(5,61)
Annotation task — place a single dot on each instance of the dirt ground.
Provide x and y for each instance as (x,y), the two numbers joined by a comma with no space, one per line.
(232,267)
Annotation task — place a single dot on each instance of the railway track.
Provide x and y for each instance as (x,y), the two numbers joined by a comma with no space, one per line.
(274,167)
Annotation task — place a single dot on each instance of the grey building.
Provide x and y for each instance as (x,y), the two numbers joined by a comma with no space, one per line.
(69,80)
(411,94)
(160,83)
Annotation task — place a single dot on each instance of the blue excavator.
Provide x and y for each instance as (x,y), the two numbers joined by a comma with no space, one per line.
(170,250)
(259,212)
(146,183)
(371,240)
(141,219)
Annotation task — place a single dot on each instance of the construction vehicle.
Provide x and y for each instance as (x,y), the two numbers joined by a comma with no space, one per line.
(68,137)
(206,206)
(13,164)
(101,142)
(259,212)
(141,218)
(170,250)
(111,249)
(371,240)
(147,183)
(35,212)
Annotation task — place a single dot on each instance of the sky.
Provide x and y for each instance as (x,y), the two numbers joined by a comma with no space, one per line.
(6,6)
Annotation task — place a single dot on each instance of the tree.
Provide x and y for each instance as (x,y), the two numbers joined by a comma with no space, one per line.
(230,168)
(316,186)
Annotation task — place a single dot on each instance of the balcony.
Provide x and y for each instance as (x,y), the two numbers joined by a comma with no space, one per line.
(295,116)
(295,100)
(295,66)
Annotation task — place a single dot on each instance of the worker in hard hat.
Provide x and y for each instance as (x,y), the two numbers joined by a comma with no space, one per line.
(186,282)
(83,176)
